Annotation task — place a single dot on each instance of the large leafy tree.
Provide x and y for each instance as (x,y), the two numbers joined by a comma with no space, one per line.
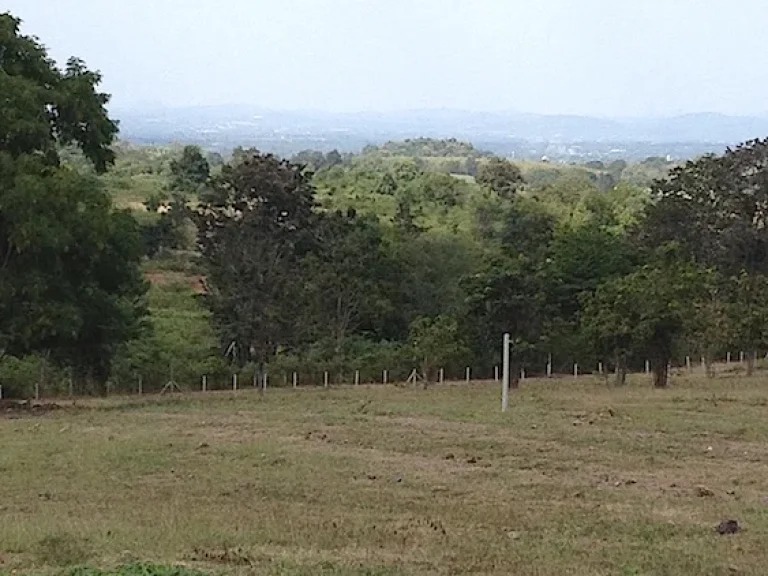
(348,280)
(45,107)
(578,261)
(644,314)
(501,176)
(435,342)
(191,172)
(747,312)
(716,209)
(70,286)
(506,296)
(252,234)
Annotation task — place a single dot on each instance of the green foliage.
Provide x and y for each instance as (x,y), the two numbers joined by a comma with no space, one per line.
(436,342)
(426,148)
(501,176)
(190,173)
(45,107)
(723,201)
(180,342)
(349,279)
(251,235)
(70,286)
(748,313)
(316,161)
(644,313)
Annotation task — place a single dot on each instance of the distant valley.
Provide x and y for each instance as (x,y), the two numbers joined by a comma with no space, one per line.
(527,136)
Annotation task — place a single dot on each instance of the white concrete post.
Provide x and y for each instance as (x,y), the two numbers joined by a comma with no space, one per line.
(505,375)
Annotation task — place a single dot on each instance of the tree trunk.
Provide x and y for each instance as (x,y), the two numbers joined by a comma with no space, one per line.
(661,374)
(514,375)
(621,371)
(709,366)
(751,363)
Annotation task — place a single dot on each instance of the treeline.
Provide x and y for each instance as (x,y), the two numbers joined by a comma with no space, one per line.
(343,263)
(573,272)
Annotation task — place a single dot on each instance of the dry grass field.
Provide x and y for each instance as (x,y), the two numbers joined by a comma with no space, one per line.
(577,478)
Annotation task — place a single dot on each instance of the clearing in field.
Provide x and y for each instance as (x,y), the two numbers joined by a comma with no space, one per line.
(577,478)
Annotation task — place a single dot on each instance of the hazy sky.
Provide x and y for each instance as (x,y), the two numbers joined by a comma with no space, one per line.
(600,57)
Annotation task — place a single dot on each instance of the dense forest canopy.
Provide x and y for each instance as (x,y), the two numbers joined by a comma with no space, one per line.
(413,255)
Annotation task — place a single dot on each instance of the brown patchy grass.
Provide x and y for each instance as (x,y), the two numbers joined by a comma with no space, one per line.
(577,478)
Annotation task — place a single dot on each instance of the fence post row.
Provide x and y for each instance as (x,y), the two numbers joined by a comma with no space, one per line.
(498,375)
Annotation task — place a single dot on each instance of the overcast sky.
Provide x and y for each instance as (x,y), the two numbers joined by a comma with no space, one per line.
(598,57)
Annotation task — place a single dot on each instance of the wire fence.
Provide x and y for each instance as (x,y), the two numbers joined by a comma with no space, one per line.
(58,388)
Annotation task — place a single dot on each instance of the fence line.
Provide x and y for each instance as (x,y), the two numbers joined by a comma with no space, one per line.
(469,376)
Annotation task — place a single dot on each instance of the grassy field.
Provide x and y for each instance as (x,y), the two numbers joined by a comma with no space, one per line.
(577,478)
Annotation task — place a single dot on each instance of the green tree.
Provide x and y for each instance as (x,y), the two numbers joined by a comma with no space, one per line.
(190,173)
(44,107)
(348,279)
(251,237)
(70,285)
(644,314)
(435,342)
(716,209)
(579,260)
(748,314)
(501,176)
(506,296)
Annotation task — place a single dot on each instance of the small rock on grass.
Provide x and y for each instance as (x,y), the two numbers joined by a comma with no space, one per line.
(728,527)
(704,492)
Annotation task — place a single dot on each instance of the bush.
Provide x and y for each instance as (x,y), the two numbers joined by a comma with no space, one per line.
(18,377)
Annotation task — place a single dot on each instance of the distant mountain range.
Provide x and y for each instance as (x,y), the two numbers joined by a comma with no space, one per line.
(515,134)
